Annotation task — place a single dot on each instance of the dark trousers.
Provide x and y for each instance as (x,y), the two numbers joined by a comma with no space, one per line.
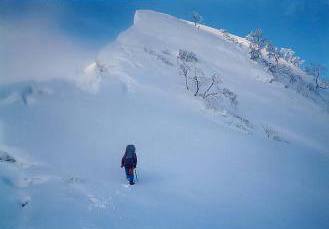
(130,174)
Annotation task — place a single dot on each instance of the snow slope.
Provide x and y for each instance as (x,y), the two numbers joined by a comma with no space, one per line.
(199,168)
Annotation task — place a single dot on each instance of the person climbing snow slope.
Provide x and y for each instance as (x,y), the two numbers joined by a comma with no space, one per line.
(129,162)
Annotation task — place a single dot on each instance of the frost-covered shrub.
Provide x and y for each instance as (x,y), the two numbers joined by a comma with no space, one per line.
(230,95)
(166,52)
(254,52)
(223,100)
(160,56)
(275,61)
(256,37)
(317,71)
(272,134)
(269,132)
(230,38)
(242,123)
(290,56)
(164,60)
(273,54)
(187,56)
(213,102)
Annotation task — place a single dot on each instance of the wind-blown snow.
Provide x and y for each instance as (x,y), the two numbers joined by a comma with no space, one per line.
(36,50)
(198,168)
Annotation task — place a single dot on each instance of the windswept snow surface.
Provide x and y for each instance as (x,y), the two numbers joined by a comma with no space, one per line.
(198,168)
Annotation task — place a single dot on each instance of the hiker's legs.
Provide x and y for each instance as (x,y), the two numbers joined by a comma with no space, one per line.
(131,179)
(130,174)
(127,172)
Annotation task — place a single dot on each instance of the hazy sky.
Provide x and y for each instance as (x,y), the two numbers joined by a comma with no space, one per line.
(88,25)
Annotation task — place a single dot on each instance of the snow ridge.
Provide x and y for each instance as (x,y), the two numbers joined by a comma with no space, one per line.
(216,139)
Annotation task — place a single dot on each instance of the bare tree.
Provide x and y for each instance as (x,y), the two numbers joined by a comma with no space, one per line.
(213,84)
(196,18)
(184,70)
(202,85)
(197,84)
(186,60)
(198,78)
(317,70)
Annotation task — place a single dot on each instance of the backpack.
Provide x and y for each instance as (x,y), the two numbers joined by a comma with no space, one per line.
(129,160)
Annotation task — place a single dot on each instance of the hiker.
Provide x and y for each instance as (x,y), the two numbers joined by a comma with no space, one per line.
(129,161)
